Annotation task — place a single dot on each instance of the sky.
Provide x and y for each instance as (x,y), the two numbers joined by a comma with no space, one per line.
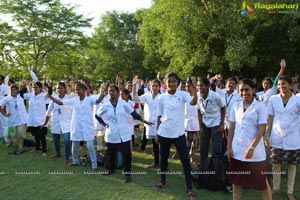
(95,8)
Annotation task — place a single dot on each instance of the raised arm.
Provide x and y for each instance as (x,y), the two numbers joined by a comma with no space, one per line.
(281,71)
(53,99)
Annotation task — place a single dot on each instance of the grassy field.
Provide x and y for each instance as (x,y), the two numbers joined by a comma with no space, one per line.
(75,184)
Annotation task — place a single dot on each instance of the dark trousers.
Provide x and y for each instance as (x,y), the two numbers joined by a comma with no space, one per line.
(111,151)
(155,147)
(216,137)
(40,137)
(180,144)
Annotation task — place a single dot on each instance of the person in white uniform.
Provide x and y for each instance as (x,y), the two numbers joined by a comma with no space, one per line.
(61,116)
(4,90)
(150,100)
(82,126)
(284,128)
(245,149)
(18,116)
(269,91)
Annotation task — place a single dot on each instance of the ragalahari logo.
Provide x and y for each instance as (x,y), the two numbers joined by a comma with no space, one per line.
(246,8)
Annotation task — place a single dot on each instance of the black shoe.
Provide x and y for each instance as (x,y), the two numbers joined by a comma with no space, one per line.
(228,190)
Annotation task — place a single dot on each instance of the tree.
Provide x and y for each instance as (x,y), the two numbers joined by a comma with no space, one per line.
(114,47)
(41,27)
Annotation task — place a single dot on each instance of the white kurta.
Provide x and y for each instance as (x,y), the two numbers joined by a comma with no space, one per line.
(117,119)
(246,127)
(61,116)
(82,124)
(285,132)
(36,109)
(171,109)
(16,109)
(150,113)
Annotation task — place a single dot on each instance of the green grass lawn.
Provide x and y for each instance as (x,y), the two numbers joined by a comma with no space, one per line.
(76,185)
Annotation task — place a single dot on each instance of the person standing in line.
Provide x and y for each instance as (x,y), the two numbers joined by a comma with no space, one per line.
(37,116)
(191,124)
(150,100)
(17,114)
(212,110)
(283,126)
(245,148)
(82,126)
(60,122)
(170,124)
(117,132)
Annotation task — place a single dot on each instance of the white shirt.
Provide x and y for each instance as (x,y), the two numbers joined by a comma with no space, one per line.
(285,132)
(246,127)
(191,122)
(171,109)
(150,112)
(97,125)
(229,102)
(4,90)
(117,120)
(265,96)
(82,124)
(210,108)
(130,119)
(16,109)
(36,109)
(61,116)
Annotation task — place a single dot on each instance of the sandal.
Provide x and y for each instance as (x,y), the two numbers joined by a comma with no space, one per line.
(191,195)
(160,185)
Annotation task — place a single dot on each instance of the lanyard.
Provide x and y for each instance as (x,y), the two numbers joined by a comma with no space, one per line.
(114,107)
(228,102)
(204,105)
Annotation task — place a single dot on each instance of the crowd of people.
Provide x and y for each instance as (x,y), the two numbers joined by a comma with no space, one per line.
(190,114)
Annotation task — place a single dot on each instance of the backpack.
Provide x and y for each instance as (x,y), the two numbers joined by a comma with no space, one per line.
(212,174)
(119,161)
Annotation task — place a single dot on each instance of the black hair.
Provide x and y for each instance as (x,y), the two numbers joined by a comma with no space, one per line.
(205,81)
(81,86)
(232,79)
(115,87)
(172,74)
(268,79)
(286,78)
(39,84)
(248,82)
(62,84)
(14,86)
(156,81)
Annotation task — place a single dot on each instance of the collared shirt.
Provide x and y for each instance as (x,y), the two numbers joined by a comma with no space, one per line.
(229,102)
(117,120)
(191,122)
(16,109)
(265,96)
(171,109)
(97,125)
(82,124)
(285,132)
(150,112)
(210,108)
(246,127)
(61,116)
(36,109)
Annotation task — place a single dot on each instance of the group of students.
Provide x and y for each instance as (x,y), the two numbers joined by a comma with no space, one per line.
(172,115)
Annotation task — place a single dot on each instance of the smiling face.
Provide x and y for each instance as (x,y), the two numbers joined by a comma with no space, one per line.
(80,91)
(172,84)
(246,92)
(60,90)
(37,89)
(230,86)
(203,88)
(113,92)
(266,84)
(13,91)
(155,87)
(284,86)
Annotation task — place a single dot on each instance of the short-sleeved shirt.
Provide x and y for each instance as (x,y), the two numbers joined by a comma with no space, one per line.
(117,119)
(171,109)
(285,132)
(246,127)
(210,108)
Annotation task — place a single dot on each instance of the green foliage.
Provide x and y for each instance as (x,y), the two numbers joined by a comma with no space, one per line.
(42,27)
